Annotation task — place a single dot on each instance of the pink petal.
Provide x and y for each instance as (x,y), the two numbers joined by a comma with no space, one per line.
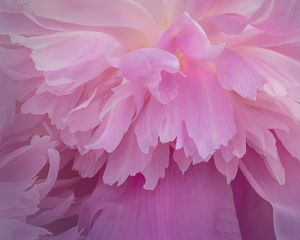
(89,164)
(55,55)
(278,17)
(85,115)
(189,38)
(235,73)
(56,107)
(157,120)
(182,160)
(290,140)
(123,15)
(45,186)
(255,215)
(130,212)
(18,199)
(156,168)
(111,130)
(227,168)
(281,68)
(229,23)
(284,199)
(145,67)
(18,64)
(24,163)
(214,111)
(127,160)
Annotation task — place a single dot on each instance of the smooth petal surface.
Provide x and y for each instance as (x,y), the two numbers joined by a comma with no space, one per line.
(234,73)
(133,213)
(254,213)
(284,199)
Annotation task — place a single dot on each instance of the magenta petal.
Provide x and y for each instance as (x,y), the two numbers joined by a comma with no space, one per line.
(181,207)
(254,213)
(284,199)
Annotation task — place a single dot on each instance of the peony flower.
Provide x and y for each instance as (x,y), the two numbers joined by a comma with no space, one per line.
(149,119)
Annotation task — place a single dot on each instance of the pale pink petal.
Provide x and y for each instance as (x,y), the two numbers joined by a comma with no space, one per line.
(52,105)
(187,144)
(85,115)
(279,68)
(13,166)
(290,139)
(227,168)
(246,7)
(89,164)
(69,59)
(235,73)
(262,140)
(190,39)
(108,15)
(114,125)
(18,64)
(144,67)
(183,162)
(157,120)
(229,23)
(46,185)
(127,160)
(214,111)
(278,17)
(156,168)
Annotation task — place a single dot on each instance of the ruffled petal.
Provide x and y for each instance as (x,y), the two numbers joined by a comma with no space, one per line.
(156,168)
(147,66)
(187,36)
(127,160)
(214,111)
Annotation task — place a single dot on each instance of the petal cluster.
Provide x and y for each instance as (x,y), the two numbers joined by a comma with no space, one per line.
(119,118)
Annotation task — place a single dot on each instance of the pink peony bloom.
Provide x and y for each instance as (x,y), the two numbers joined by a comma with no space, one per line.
(150,119)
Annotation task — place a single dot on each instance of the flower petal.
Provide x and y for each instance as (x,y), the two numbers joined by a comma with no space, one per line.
(284,199)
(235,73)
(156,168)
(190,39)
(181,207)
